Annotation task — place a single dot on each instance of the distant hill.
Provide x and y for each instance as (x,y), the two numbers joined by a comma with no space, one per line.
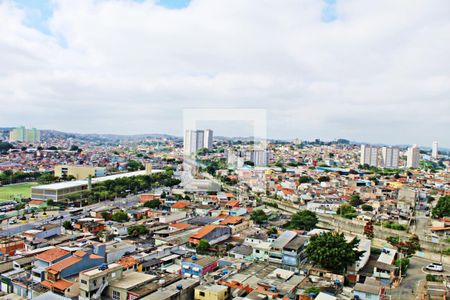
(104,137)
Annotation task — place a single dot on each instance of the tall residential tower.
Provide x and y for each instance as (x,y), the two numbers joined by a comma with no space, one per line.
(369,155)
(413,157)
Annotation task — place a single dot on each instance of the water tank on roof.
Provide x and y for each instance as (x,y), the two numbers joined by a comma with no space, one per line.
(194,257)
(179,286)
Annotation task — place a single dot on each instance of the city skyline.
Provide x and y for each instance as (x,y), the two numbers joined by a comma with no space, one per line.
(327,69)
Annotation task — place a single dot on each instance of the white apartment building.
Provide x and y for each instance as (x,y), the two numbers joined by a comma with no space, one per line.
(369,155)
(412,157)
(197,139)
(390,157)
(434,150)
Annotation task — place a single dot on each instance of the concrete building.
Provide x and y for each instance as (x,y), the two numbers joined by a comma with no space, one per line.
(211,292)
(390,157)
(434,150)
(21,134)
(260,157)
(58,191)
(196,267)
(195,140)
(369,155)
(79,172)
(413,157)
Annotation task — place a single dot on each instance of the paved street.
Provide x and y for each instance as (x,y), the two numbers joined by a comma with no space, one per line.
(9,230)
(414,275)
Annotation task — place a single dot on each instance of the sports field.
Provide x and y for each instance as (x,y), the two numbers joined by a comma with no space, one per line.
(9,192)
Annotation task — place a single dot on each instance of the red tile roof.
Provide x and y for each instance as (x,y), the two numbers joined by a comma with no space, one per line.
(231,220)
(180,225)
(180,204)
(205,230)
(52,254)
(65,263)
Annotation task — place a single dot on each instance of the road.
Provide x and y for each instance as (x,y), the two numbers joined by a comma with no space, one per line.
(415,274)
(9,230)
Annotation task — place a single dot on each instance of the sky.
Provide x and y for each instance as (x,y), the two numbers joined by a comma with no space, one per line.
(369,71)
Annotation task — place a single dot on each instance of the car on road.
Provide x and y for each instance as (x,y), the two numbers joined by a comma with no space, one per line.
(436,267)
(12,221)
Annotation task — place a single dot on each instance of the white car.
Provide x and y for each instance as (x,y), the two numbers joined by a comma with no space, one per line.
(12,221)
(437,267)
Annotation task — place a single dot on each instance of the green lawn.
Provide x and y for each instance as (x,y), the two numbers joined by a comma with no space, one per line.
(8,192)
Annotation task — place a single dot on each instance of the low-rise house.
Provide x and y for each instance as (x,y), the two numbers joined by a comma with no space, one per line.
(370,290)
(198,266)
(211,292)
(276,249)
(115,250)
(46,259)
(212,233)
(9,245)
(384,269)
(293,252)
(79,261)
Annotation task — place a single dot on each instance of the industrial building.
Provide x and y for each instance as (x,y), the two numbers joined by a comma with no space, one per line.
(58,191)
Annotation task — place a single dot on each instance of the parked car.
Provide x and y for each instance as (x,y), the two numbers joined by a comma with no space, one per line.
(12,221)
(436,267)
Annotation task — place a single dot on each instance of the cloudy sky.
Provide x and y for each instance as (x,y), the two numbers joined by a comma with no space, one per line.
(373,71)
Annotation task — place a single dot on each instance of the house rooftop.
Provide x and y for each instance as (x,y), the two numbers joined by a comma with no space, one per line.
(52,254)
(131,280)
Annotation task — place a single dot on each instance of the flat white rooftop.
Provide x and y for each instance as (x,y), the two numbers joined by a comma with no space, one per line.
(78,183)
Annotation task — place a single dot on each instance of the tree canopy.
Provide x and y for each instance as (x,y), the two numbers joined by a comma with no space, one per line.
(203,247)
(347,211)
(259,216)
(407,248)
(155,203)
(305,220)
(442,208)
(120,216)
(355,200)
(137,230)
(332,251)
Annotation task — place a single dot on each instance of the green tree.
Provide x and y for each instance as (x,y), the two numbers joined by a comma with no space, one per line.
(137,230)
(46,178)
(134,165)
(305,179)
(404,263)
(272,231)
(355,200)
(347,211)
(259,216)
(407,248)
(203,247)
(305,220)
(367,207)
(106,215)
(324,179)
(120,216)
(312,290)
(442,208)
(155,203)
(67,225)
(332,251)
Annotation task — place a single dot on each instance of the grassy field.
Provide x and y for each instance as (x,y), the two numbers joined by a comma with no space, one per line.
(8,192)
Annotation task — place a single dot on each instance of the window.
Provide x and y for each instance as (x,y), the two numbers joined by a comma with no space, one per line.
(202,294)
(83,281)
(257,251)
(94,282)
(116,295)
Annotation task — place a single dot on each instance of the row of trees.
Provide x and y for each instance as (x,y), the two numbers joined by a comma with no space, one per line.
(121,187)
(303,220)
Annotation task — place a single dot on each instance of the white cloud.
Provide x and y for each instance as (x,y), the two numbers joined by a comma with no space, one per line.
(379,73)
